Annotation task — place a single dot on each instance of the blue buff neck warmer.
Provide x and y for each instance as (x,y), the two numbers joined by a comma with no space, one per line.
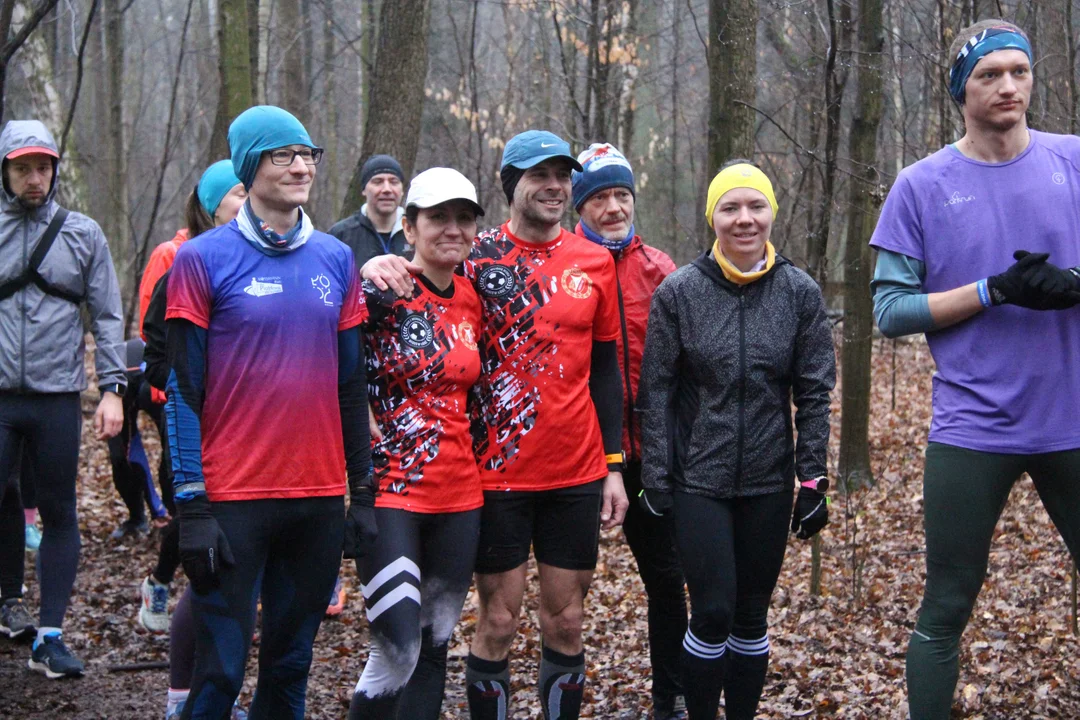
(612,245)
(263,237)
(976,49)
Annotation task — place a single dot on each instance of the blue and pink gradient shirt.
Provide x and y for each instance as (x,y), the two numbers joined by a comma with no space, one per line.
(1008,379)
(271,422)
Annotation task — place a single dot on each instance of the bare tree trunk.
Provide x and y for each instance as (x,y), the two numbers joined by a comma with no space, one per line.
(732,77)
(1070,40)
(9,47)
(234,72)
(255,46)
(397,92)
(291,74)
(864,198)
(117,227)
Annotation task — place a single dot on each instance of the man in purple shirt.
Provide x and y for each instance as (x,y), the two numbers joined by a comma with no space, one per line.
(953,241)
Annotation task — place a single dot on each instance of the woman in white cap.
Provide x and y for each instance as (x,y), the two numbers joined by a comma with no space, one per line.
(422,360)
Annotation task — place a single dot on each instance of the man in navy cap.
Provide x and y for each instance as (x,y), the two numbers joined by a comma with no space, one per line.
(548,426)
(375,229)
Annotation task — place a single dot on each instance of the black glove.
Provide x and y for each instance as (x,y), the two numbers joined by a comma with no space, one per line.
(203,547)
(655,502)
(360,528)
(1052,287)
(1009,287)
(811,513)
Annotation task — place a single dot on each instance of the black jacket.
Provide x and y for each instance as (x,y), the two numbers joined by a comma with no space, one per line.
(154,327)
(360,235)
(721,367)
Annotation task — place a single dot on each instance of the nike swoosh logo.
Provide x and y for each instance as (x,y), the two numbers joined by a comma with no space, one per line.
(547,145)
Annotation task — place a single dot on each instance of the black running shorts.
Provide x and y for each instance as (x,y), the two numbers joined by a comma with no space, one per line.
(562,526)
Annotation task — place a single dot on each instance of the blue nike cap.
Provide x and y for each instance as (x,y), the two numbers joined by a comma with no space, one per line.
(535,146)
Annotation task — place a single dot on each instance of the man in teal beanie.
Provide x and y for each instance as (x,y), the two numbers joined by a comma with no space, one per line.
(259,129)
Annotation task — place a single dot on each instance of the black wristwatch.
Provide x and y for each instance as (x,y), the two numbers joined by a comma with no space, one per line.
(113,388)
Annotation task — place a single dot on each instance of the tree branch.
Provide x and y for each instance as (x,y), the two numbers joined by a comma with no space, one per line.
(78,76)
(12,46)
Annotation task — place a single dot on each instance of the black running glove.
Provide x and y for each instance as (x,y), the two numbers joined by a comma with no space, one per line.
(203,547)
(1009,287)
(360,528)
(1056,288)
(811,513)
(655,502)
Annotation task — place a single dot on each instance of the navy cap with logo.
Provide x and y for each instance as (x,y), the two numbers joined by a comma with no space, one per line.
(535,146)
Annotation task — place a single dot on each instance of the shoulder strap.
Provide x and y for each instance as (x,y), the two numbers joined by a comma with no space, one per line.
(30,274)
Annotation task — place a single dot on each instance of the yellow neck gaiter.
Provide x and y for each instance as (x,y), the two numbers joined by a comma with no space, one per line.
(736,275)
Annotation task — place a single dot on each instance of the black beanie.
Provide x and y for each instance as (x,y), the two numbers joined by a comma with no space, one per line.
(378,164)
(510,176)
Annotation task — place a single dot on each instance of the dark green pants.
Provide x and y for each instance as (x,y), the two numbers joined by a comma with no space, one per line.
(964,492)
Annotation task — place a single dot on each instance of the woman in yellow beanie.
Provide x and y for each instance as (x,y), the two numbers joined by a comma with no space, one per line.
(734,338)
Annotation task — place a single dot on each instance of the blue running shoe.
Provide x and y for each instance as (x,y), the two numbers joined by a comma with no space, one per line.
(33,538)
(52,657)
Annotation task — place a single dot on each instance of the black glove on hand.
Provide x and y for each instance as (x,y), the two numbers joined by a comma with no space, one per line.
(360,528)
(1010,287)
(203,547)
(811,513)
(655,502)
(1050,286)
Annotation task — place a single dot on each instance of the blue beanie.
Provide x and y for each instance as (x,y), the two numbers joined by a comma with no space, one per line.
(215,184)
(603,167)
(257,130)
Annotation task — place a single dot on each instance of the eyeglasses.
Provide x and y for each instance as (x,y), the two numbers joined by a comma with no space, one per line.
(284,156)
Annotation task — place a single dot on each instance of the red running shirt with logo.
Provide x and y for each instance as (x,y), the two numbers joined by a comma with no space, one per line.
(535,426)
(422,361)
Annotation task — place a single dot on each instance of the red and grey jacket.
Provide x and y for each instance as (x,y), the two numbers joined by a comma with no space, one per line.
(639,269)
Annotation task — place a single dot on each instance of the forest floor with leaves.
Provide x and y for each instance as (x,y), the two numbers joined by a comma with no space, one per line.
(838,655)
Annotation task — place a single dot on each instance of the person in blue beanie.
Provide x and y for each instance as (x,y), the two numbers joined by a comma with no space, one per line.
(267,414)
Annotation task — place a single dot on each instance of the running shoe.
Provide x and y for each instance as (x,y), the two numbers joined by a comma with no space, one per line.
(136,528)
(337,600)
(33,538)
(176,711)
(238,713)
(15,620)
(154,609)
(53,658)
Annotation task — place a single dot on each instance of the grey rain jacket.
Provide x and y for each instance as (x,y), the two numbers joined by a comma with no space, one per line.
(41,336)
(721,367)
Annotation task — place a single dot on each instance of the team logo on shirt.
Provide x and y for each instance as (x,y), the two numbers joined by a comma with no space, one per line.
(467,333)
(496,281)
(321,283)
(264,286)
(576,283)
(416,332)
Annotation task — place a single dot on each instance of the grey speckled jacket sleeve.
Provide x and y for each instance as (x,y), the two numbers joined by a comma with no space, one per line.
(814,377)
(106,314)
(656,391)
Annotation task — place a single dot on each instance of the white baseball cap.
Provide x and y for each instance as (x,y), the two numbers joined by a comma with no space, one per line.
(438,185)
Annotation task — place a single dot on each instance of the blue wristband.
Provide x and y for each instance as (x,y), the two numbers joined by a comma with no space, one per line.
(984,293)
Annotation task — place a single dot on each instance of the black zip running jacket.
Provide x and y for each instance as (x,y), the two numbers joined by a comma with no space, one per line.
(722,365)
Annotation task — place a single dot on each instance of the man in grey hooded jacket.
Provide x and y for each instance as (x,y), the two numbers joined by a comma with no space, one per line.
(42,375)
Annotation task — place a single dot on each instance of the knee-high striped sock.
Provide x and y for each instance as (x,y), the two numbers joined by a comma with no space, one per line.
(487,686)
(745,676)
(704,665)
(562,684)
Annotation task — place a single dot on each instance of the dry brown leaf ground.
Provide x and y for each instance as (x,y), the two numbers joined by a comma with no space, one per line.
(833,656)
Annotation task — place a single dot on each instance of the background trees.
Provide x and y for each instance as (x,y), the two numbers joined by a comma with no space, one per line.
(831,97)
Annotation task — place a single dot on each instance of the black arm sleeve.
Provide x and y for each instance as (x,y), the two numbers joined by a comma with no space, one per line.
(605,387)
(352,399)
(183,410)
(154,328)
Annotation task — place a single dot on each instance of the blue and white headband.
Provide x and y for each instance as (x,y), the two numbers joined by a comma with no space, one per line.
(978,47)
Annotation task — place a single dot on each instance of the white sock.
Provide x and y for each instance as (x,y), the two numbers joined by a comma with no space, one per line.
(42,632)
(175,698)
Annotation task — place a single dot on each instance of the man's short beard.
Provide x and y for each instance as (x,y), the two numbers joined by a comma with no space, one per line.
(32,204)
(533,218)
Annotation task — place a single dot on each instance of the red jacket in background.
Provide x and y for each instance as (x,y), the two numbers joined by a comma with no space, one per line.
(640,270)
(161,259)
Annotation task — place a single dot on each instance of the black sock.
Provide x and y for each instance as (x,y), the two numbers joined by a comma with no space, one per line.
(704,665)
(745,676)
(562,684)
(487,686)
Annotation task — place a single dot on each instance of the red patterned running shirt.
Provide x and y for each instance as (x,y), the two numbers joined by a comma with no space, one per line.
(422,361)
(535,425)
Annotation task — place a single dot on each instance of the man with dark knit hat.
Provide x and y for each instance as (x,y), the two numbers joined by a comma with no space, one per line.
(375,229)
(604,197)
